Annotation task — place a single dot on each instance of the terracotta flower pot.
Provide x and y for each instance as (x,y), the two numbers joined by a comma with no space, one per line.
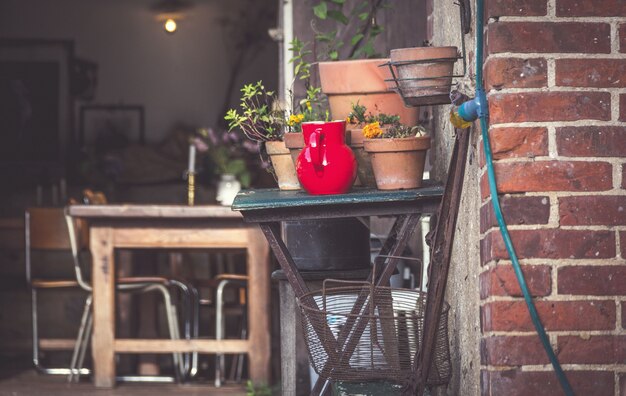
(363,81)
(398,163)
(365,173)
(283,165)
(294,141)
(422,81)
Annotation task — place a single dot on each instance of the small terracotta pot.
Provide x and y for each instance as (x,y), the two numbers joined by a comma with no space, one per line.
(365,173)
(294,141)
(398,163)
(282,163)
(363,81)
(424,82)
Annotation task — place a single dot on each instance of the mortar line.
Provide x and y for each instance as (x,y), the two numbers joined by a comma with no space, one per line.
(557,55)
(560,19)
(557,89)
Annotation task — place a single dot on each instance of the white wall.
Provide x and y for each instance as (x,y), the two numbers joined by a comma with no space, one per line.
(177,78)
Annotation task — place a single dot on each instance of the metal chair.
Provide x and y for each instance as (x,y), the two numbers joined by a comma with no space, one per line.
(218,285)
(241,282)
(52,228)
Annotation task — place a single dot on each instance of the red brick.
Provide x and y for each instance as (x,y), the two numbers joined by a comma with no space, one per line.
(545,383)
(622,107)
(549,106)
(623,315)
(622,384)
(623,175)
(516,73)
(516,177)
(622,243)
(608,8)
(594,280)
(593,210)
(516,210)
(555,315)
(549,37)
(517,143)
(592,350)
(622,37)
(501,281)
(512,351)
(591,141)
(498,8)
(551,243)
(600,73)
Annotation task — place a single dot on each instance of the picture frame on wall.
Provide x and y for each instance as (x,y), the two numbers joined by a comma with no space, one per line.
(36,127)
(111,126)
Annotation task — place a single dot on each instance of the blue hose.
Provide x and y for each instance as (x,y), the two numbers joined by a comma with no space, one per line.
(483,114)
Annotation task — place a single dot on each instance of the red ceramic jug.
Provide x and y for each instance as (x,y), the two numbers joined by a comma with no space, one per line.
(326,165)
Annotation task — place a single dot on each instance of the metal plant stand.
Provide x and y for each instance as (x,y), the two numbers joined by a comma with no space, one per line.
(269,207)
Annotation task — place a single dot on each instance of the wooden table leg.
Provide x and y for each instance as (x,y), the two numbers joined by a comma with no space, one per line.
(103,280)
(258,306)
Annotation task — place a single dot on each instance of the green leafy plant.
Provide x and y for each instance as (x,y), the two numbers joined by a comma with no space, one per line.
(259,390)
(360,116)
(225,153)
(257,118)
(356,27)
(314,106)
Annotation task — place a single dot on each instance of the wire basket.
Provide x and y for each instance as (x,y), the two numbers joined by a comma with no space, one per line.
(361,332)
(429,81)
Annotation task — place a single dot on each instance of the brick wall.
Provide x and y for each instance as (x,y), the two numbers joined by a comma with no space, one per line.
(556,76)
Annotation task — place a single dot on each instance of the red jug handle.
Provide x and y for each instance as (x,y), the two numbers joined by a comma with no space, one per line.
(314,145)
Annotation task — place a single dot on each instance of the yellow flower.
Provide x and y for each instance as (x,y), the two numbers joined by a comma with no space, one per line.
(300,117)
(293,119)
(348,120)
(373,130)
(308,105)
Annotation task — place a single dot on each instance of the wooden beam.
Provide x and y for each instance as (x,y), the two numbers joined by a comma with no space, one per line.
(181,238)
(103,273)
(57,344)
(168,346)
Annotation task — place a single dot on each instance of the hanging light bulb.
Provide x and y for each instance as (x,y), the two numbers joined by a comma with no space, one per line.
(170,25)
(171,12)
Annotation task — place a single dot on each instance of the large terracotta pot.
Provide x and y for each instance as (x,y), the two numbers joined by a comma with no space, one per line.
(398,163)
(424,73)
(283,166)
(363,81)
(326,165)
(365,172)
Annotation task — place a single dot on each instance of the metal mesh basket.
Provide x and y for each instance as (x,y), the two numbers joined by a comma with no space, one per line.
(365,332)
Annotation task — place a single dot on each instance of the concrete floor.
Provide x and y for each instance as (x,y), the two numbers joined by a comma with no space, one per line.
(27,382)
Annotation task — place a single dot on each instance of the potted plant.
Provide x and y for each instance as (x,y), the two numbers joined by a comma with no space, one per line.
(260,121)
(359,75)
(313,107)
(357,119)
(226,157)
(398,154)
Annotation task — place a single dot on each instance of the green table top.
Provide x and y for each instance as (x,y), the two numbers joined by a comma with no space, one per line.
(272,198)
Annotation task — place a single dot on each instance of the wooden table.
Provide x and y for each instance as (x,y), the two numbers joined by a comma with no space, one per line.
(269,207)
(173,227)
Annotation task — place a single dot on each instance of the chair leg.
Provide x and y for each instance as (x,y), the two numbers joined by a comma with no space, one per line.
(190,315)
(35,328)
(85,341)
(79,339)
(172,322)
(219,330)
(244,335)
